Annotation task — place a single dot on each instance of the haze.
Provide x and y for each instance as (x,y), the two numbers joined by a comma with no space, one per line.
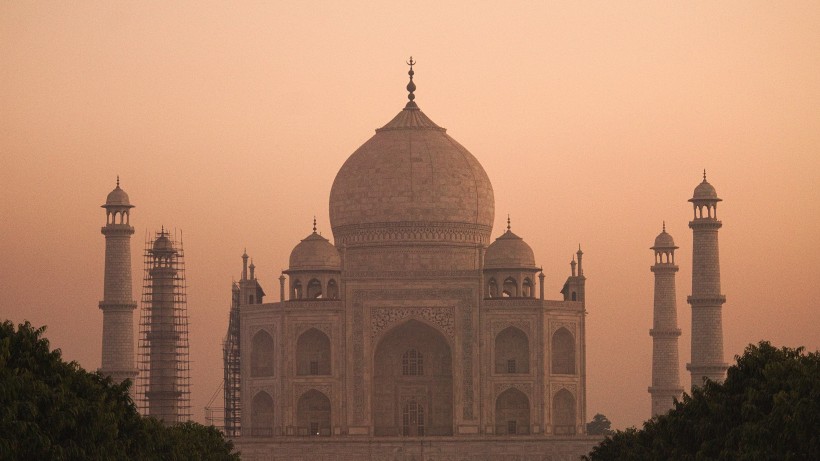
(594,121)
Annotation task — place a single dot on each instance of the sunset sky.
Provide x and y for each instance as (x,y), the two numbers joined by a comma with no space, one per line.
(593,120)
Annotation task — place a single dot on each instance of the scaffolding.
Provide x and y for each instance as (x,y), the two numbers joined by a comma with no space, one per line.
(164,382)
(230,355)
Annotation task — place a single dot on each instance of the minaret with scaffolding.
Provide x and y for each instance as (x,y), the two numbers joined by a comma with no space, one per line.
(164,381)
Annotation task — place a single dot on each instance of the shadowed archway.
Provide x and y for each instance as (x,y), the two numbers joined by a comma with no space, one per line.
(413,382)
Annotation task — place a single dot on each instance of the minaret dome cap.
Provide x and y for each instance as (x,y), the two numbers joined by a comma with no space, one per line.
(664,241)
(705,191)
(117,198)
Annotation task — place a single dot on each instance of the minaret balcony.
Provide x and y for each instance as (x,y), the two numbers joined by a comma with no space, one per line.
(705,223)
(706,300)
(675,332)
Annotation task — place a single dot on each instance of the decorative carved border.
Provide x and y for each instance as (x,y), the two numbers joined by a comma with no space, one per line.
(410,274)
(354,234)
(526,388)
(557,387)
(570,326)
(382,318)
(501,325)
(299,390)
(302,327)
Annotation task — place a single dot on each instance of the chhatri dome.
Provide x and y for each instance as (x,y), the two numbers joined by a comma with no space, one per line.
(509,251)
(705,191)
(411,175)
(664,240)
(117,197)
(315,252)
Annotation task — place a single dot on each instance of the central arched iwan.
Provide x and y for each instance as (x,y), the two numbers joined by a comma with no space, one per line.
(403,389)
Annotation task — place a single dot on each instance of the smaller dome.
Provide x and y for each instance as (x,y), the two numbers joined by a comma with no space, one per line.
(163,243)
(117,198)
(509,252)
(315,253)
(664,240)
(705,191)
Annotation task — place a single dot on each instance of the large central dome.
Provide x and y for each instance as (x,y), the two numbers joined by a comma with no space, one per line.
(411,181)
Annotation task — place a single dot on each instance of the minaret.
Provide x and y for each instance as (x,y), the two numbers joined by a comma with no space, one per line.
(164,356)
(665,375)
(118,304)
(706,299)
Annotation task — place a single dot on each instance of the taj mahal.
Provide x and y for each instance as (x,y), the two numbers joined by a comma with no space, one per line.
(419,332)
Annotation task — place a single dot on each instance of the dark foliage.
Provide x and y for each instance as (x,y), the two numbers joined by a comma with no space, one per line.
(600,425)
(768,408)
(50,409)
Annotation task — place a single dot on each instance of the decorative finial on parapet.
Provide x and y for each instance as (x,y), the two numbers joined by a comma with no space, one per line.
(411,87)
(508,222)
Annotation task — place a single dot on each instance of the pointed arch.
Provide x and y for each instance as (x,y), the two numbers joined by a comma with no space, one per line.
(510,289)
(563,352)
(332,290)
(512,351)
(296,291)
(313,353)
(431,390)
(492,288)
(261,354)
(512,413)
(262,415)
(563,413)
(528,289)
(313,414)
(314,289)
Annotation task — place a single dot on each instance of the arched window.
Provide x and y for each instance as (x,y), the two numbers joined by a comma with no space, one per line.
(492,289)
(313,414)
(314,289)
(297,290)
(563,352)
(512,351)
(332,290)
(262,355)
(313,353)
(512,413)
(413,419)
(412,363)
(574,296)
(527,290)
(563,413)
(262,415)
(510,288)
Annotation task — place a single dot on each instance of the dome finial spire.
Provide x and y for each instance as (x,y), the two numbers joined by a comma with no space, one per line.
(118,181)
(411,87)
(314,224)
(508,221)
(664,225)
(704,175)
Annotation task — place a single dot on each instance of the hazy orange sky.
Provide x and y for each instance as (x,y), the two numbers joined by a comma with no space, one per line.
(594,121)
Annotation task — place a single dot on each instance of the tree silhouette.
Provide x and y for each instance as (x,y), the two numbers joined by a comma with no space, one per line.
(50,409)
(767,408)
